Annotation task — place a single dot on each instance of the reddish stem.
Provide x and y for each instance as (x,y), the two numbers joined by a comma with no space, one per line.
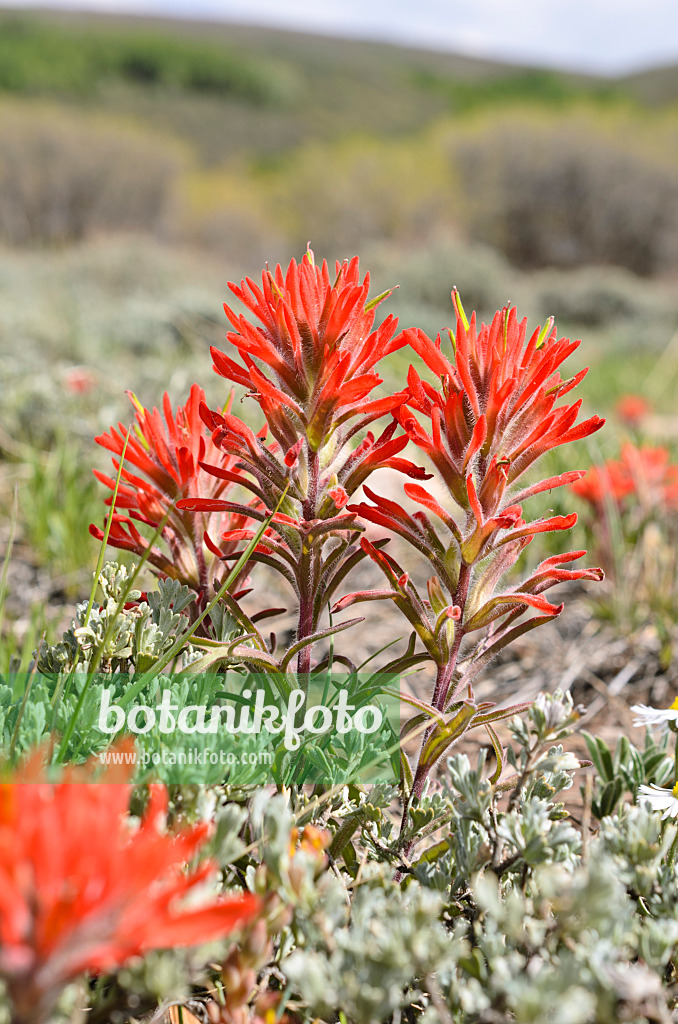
(307,568)
(444,677)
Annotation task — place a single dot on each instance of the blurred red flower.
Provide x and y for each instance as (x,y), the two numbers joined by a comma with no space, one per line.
(83,889)
(612,480)
(644,472)
(632,409)
(80,380)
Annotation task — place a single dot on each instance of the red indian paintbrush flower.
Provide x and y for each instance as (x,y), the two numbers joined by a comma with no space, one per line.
(492,416)
(173,457)
(309,363)
(81,889)
(495,413)
(308,359)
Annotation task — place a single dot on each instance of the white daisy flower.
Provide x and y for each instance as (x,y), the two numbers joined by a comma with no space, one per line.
(665,800)
(654,716)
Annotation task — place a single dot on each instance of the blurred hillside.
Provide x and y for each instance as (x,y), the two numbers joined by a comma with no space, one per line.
(250,141)
(143,162)
(230,89)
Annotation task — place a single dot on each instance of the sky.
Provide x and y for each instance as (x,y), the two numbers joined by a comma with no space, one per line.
(603,36)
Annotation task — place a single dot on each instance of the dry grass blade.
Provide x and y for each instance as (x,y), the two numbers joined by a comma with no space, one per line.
(182,1015)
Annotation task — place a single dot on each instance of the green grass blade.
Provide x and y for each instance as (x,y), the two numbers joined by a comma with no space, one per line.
(8,556)
(107,530)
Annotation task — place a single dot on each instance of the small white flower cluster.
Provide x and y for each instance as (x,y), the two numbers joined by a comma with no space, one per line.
(660,799)
(654,716)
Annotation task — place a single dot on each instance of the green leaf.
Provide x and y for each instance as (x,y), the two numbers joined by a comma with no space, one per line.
(609,798)
(434,852)
(606,758)
(501,713)
(177,647)
(415,702)
(373,303)
(499,754)
(443,737)
(407,776)
(321,635)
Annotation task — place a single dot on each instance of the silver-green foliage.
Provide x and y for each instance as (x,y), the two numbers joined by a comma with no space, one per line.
(508,913)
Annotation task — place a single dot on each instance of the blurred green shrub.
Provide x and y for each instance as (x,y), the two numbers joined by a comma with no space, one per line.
(38,57)
(425,274)
(562,192)
(359,189)
(593,296)
(340,143)
(64,177)
(569,191)
(536,86)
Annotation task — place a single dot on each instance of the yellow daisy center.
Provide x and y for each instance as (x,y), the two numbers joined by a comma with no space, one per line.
(675,791)
(674,706)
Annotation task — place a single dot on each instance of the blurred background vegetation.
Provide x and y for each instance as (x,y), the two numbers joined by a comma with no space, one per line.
(144,163)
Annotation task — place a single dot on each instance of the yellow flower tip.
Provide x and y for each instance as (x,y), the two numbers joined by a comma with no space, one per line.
(675,791)
(674,706)
(136,403)
(459,309)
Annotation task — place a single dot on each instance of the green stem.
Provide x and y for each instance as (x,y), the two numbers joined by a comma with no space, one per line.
(22,708)
(673,850)
(107,530)
(444,678)
(8,554)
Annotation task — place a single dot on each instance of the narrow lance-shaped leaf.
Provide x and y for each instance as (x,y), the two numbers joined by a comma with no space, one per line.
(443,736)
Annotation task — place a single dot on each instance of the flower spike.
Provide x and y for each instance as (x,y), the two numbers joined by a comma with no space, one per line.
(492,415)
(174,457)
(308,348)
